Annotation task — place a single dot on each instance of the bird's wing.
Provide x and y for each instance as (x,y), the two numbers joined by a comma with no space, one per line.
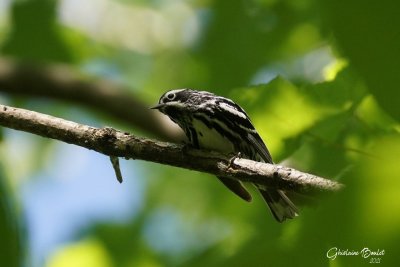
(255,140)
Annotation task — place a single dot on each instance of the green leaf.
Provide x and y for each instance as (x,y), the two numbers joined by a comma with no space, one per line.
(367,32)
(284,113)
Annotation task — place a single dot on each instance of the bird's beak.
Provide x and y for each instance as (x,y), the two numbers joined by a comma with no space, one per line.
(158,106)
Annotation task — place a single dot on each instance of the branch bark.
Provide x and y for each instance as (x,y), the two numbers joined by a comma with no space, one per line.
(62,83)
(116,143)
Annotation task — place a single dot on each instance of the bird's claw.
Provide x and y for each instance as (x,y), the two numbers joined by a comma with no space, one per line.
(232,159)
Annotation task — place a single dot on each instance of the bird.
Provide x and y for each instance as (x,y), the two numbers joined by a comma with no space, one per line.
(217,123)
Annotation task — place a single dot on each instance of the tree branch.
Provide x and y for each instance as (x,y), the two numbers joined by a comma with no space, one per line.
(115,143)
(61,82)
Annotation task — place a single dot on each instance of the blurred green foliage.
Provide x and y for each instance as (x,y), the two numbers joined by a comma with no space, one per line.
(11,253)
(368,34)
(34,34)
(344,126)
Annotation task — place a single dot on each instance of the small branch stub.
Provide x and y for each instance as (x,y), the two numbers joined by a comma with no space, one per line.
(115,163)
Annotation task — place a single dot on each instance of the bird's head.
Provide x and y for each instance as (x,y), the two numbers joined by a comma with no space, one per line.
(180,99)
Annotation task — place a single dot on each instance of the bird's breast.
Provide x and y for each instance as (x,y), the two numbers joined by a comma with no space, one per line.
(209,138)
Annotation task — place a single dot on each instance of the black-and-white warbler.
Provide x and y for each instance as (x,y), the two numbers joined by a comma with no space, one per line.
(217,123)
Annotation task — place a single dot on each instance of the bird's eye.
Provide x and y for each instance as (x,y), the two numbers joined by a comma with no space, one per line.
(170,96)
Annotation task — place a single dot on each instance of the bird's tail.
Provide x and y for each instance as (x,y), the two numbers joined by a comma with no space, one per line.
(280,205)
(236,187)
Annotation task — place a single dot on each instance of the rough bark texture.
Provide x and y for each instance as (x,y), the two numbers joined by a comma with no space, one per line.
(111,142)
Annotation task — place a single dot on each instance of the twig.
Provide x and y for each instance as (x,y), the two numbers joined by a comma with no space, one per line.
(115,163)
(118,144)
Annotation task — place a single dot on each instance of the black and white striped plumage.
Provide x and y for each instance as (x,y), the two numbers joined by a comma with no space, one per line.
(217,123)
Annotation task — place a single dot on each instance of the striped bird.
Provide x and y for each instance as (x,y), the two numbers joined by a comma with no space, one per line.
(217,123)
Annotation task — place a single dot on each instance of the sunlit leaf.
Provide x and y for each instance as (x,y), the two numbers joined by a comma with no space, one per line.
(82,254)
(284,113)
